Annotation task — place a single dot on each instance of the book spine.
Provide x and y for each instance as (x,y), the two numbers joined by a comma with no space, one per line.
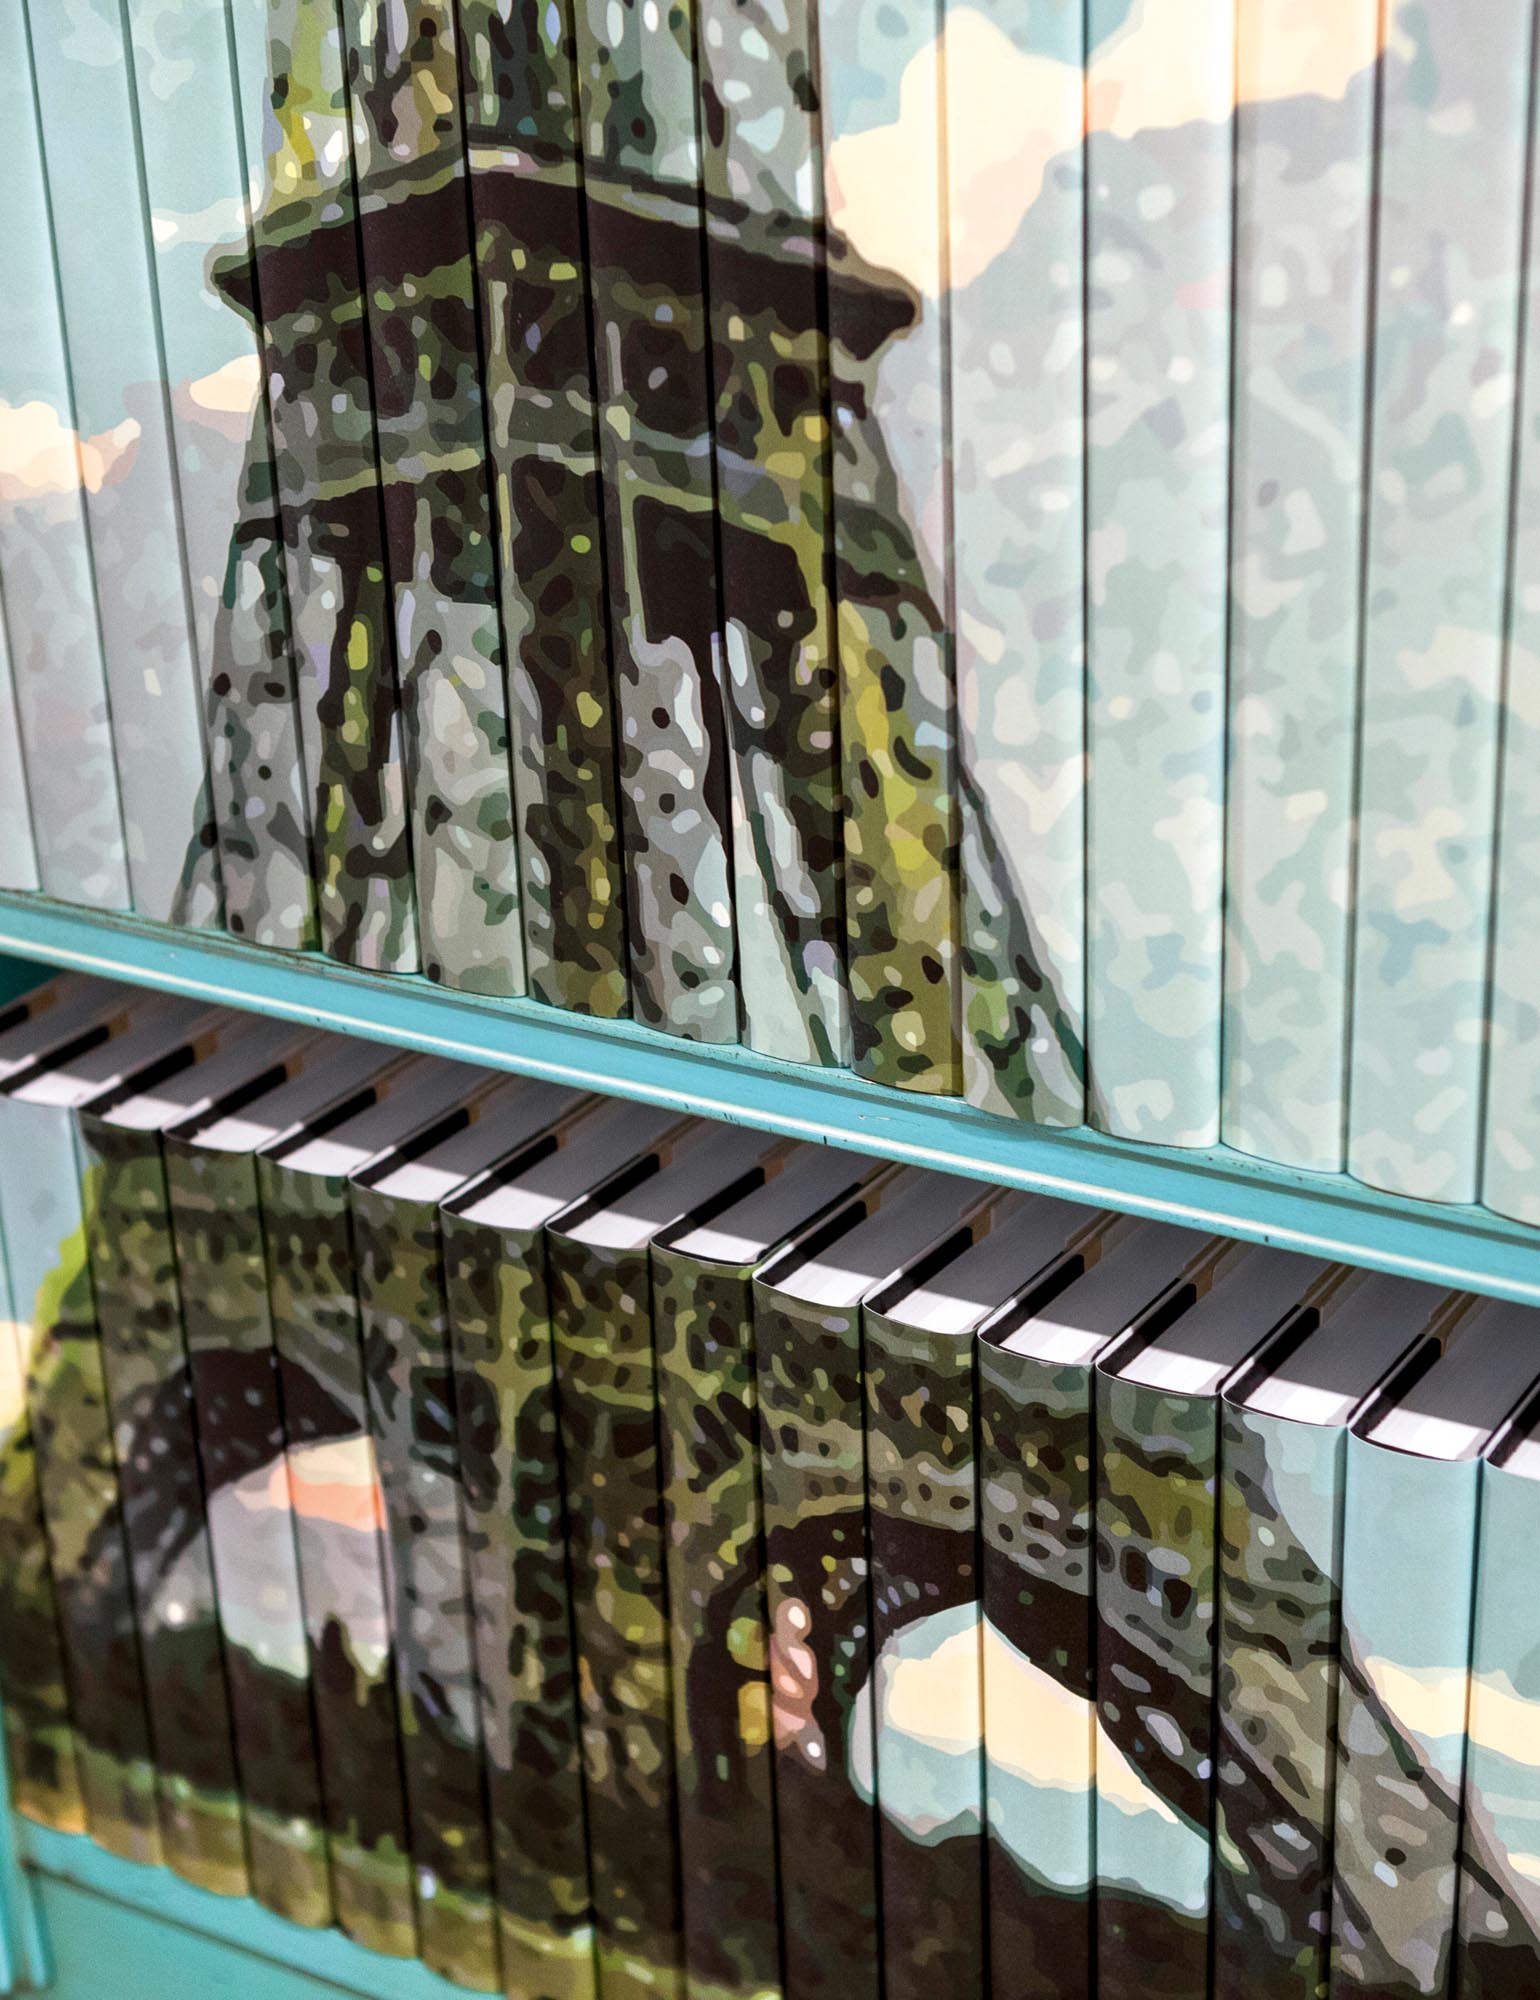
(531,257)
(1158,164)
(606,1379)
(40,1748)
(1499,1909)
(43,1208)
(45,553)
(517,1560)
(83,72)
(1303,244)
(149,1394)
(1036,1446)
(642,187)
(1280,1556)
(412,1419)
(1018,487)
(718,1628)
(1453,157)
(305,288)
(884,198)
(419,293)
(1408,1558)
(339,1523)
(922,1478)
(18,850)
(199,211)
(217,1233)
(818,1595)
(762,174)
(1156,1563)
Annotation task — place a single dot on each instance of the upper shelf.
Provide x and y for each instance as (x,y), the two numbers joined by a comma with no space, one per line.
(1327,1214)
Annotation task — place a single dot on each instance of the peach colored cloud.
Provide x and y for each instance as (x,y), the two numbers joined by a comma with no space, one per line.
(40,454)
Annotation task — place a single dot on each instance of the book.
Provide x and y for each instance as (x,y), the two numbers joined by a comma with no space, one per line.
(188,121)
(1454,140)
(762,178)
(924,1481)
(516,1540)
(881,92)
(1161,95)
(1499,1908)
(713,1523)
(1014,121)
(1304,173)
(607,1400)
(1037,1356)
(43,1216)
(62,723)
(418,283)
(303,288)
(638,119)
(83,77)
(1157,1562)
(526,190)
(18,850)
(334,1478)
(1283,1458)
(812,1416)
(409,1383)
(1408,1597)
(183,1625)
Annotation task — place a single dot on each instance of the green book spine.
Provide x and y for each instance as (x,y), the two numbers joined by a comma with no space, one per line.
(718,1627)
(412,1418)
(34,1690)
(43,1211)
(526,192)
(880,70)
(217,1231)
(420,300)
(922,1473)
(149,1389)
(304,287)
(646,246)
(1036,1446)
(517,1560)
(339,1519)
(813,1467)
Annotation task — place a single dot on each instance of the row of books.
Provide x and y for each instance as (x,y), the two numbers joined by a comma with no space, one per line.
(979,544)
(607,1554)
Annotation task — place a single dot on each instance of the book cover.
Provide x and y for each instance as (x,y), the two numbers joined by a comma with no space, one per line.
(638,117)
(334,1478)
(1036,1445)
(1283,1457)
(1304,176)
(1453,158)
(762,176)
(190,131)
(526,190)
(1160,91)
(1014,88)
(409,1383)
(881,93)
(1157,1562)
(1408,1597)
(45,551)
(83,76)
(924,1482)
(43,1217)
(607,1398)
(303,288)
(516,1540)
(420,301)
(713,1519)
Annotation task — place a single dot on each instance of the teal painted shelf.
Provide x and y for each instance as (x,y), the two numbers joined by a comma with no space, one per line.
(1224,1191)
